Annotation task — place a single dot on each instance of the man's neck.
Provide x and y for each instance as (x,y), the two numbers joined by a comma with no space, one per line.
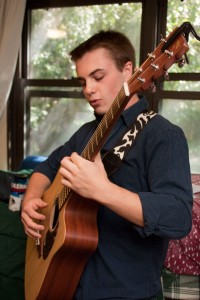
(132,101)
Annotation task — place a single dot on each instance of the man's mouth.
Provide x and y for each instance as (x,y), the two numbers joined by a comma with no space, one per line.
(94,102)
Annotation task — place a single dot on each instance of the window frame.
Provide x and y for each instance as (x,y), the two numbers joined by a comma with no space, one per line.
(154,19)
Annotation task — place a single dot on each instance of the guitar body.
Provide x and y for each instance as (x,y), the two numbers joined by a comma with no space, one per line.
(54,267)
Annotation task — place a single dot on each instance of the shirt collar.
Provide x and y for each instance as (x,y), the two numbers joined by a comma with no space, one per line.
(128,115)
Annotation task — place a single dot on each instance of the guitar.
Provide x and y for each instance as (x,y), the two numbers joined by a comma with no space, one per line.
(54,265)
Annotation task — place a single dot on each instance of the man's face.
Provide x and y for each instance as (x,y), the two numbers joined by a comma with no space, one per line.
(100,79)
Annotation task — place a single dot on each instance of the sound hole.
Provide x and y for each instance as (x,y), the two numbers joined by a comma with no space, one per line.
(54,216)
(51,234)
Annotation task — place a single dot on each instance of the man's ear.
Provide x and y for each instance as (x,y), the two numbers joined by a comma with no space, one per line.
(128,70)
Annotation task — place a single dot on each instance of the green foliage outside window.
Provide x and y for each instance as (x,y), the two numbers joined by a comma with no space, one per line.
(55,32)
(186,11)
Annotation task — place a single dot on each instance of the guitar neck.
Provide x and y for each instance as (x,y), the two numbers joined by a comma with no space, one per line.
(105,126)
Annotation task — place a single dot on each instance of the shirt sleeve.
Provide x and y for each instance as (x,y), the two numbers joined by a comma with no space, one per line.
(167,206)
(50,166)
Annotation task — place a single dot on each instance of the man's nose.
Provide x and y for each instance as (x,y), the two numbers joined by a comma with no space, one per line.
(89,87)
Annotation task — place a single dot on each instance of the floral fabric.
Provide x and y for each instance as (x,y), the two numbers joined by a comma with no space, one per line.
(183,256)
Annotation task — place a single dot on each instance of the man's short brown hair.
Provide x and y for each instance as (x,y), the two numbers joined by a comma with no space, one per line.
(119,46)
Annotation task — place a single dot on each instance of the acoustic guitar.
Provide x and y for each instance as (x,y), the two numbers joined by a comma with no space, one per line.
(55,263)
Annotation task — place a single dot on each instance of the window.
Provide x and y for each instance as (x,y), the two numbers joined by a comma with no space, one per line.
(48,102)
(55,113)
(180,100)
(186,114)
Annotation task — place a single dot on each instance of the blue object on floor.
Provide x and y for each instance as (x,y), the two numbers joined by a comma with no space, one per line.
(30,162)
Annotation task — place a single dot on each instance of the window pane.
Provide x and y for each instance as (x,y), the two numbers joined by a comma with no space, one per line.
(179,12)
(55,32)
(53,121)
(182,85)
(186,114)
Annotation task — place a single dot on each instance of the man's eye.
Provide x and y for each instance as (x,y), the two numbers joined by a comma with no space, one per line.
(98,78)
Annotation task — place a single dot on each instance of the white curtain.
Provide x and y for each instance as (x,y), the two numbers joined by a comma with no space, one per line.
(11,22)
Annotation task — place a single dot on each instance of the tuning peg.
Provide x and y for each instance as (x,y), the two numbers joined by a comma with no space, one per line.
(166,75)
(138,69)
(155,67)
(162,39)
(169,53)
(151,55)
(152,88)
(181,62)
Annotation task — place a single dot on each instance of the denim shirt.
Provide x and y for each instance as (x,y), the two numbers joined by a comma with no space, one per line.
(128,261)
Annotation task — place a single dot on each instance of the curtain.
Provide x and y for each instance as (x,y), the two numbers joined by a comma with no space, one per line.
(11,22)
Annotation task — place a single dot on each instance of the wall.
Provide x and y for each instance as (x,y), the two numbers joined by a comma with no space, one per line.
(3,141)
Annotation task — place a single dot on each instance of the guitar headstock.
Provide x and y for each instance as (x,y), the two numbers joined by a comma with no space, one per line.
(158,62)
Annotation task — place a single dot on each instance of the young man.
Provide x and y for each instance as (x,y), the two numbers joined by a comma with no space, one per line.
(148,199)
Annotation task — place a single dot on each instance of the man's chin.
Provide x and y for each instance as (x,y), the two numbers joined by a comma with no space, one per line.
(99,111)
